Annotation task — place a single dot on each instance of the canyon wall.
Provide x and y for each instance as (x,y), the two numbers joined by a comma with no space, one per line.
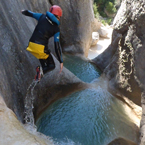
(123,61)
(18,65)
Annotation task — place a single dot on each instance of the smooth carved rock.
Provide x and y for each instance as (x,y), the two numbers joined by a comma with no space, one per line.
(124,65)
(76,28)
(119,61)
(18,65)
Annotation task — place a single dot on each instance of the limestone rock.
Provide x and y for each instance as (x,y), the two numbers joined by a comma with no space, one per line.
(104,59)
(125,67)
(103,32)
(95,38)
(18,68)
(119,61)
(17,65)
(76,25)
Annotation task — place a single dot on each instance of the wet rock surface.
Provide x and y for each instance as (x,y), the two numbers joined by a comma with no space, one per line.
(122,141)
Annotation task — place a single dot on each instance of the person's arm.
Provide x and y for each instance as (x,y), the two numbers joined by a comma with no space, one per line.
(31,14)
(58,50)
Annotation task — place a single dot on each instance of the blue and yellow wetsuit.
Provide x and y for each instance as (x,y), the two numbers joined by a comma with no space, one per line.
(47,26)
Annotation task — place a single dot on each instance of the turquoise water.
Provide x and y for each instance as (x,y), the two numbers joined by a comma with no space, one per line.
(82,69)
(89,117)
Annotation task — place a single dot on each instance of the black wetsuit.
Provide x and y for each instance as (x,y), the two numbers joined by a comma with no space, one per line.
(47,26)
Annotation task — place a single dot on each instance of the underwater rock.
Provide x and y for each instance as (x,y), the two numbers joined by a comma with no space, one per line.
(122,141)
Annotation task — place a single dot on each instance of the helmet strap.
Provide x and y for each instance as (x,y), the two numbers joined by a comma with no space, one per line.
(51,10)
(57,17)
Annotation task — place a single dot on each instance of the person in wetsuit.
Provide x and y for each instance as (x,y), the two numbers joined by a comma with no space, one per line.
(47,26)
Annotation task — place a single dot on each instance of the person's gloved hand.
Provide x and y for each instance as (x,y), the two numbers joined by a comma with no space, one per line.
(24,12)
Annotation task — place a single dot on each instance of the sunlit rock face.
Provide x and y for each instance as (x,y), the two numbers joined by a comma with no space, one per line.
(76,28)
(123,64)
(123,61)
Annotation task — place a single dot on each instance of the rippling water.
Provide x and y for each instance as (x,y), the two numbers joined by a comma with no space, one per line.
(89,117)
(82,69)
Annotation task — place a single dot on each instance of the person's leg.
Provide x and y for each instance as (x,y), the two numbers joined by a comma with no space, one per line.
(38,75)
(47,64)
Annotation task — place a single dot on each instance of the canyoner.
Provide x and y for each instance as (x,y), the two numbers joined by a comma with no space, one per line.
(47,27)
